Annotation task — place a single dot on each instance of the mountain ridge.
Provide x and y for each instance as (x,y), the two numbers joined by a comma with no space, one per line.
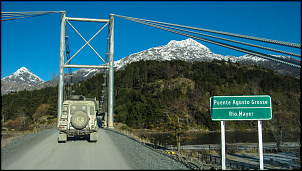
(186,50)
(191,50)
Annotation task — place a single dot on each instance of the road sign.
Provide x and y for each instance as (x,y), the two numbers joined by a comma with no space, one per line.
(254,107)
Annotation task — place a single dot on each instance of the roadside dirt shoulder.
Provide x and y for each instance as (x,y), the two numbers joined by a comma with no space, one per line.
(8,136)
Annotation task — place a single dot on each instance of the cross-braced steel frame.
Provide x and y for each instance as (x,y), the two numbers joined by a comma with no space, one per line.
(109,65)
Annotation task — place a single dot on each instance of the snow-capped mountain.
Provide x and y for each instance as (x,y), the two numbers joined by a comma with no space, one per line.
(191,50)
(187,50)
(20,80)
(23,78)
(78,75)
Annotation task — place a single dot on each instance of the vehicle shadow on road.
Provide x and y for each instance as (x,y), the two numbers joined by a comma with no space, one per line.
(78,138)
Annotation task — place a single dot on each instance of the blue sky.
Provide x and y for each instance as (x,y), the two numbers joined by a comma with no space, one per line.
(34,42)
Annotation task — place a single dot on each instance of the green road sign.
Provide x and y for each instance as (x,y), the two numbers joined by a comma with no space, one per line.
(256,107)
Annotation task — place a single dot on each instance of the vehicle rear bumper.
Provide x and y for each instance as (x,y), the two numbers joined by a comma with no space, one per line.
(74,132)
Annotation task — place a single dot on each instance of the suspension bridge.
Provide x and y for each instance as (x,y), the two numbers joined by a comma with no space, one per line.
(105,154)
(170,27)
(188,31)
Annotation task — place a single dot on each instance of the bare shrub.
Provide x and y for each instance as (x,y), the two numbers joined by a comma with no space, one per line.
(41,111)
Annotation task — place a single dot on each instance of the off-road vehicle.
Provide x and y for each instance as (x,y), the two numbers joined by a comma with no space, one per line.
(79,118)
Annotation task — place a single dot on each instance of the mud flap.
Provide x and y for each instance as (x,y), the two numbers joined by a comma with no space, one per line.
(62,137)
(93,136)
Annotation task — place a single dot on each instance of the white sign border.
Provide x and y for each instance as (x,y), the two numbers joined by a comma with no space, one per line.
(243,107)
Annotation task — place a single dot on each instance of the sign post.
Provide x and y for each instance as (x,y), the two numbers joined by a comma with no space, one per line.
(260,144)
(223,145)
(254,107)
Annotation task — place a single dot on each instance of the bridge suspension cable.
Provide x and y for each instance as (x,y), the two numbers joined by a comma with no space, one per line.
(265,56)
(70,89)
(105,73)
(248,44)
(67,48)
(6,16)
(223,33)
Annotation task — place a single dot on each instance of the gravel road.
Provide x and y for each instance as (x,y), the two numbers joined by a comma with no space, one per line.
(113,150)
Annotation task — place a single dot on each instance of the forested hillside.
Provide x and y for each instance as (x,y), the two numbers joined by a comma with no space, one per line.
(147,92)
(151,94)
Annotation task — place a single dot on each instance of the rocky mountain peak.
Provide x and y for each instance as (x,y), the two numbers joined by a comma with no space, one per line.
(187,50)
(20,80)
(24,73)
(187,43)
(22,69)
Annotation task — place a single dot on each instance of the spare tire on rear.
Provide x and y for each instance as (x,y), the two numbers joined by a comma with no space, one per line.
(79,120)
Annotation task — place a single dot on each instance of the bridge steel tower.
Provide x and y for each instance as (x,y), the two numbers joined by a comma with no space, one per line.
(111,71)
(63,64)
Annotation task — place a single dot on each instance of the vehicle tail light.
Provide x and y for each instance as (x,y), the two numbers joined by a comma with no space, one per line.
(62,127)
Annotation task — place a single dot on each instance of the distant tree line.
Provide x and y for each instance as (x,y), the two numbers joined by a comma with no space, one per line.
(20,109)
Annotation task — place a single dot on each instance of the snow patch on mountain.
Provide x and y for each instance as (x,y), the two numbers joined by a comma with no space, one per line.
(246,57)
(86,72)
(189,43)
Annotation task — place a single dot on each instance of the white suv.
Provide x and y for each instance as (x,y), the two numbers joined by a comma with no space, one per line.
(79,118)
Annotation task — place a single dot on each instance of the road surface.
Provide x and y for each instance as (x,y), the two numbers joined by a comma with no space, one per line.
(112,151)
(75,154)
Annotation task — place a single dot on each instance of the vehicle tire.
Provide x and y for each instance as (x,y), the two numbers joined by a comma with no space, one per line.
(93,137)
(79,120)
(76,97)
(62,137)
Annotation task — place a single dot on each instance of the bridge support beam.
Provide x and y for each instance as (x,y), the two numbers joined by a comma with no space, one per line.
(61,67)
(111,71)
